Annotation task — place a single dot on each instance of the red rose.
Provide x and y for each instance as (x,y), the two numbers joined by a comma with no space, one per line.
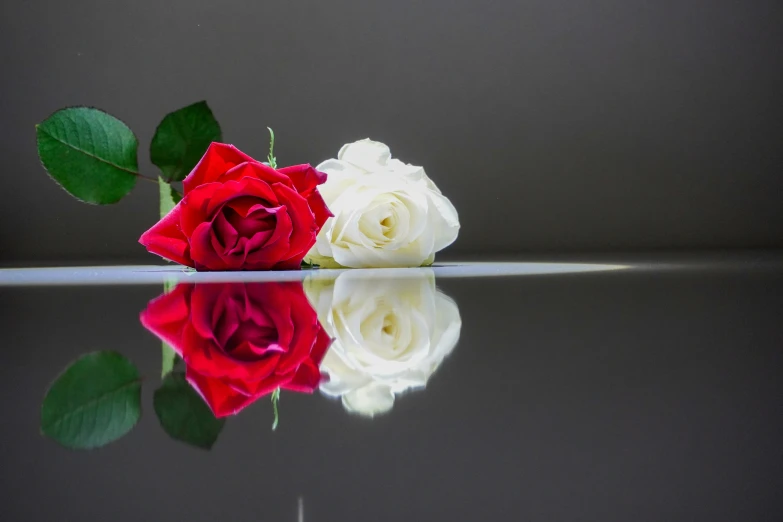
(239,214)
(241,341)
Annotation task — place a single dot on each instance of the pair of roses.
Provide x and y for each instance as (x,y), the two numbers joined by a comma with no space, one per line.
(240,214)
(362,209)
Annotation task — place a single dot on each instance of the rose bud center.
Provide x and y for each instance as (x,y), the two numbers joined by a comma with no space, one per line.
(247,224)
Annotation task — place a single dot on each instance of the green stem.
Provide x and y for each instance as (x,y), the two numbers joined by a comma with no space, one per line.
(167,197)
(275,401)
(271,158)
(168,355)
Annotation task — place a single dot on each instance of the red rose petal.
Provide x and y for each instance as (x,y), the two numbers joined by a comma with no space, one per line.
(321,346)
(260,224)
(238,190)
(207,358)
(259,388)
(319,208)
(250,207)
(280,300)
(208,304)
(305,380)
(168,315)
(219,159)
(225,231)
(194,207)
(266,255)
(251,351)
(306,180)
(304,177)
(302,342)
(221,398)
(303,221)
(167,240)
(257,171)
(203,251)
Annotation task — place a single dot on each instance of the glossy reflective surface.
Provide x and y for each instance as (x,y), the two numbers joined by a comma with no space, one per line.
(651,392)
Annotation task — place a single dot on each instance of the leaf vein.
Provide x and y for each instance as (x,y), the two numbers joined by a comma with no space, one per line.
(68,415)
(86,153)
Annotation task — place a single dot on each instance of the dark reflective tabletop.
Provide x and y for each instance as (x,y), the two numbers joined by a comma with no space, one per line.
(618,389)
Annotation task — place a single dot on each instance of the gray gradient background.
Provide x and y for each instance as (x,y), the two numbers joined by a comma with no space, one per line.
(551,124)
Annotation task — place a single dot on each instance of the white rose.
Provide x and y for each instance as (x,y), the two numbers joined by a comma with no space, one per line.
(386,213)
(390,335)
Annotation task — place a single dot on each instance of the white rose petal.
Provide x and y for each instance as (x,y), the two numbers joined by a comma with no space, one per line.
(366,154)
(370,400)
(386,213)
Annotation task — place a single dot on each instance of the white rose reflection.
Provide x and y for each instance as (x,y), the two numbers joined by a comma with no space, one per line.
(390,335)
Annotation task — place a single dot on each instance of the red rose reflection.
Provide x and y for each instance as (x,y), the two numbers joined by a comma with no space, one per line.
(241,341)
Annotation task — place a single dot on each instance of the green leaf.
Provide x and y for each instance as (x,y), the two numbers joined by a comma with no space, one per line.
(90,153)
(182,139)
(95,401)
(184,415)
(168,197)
